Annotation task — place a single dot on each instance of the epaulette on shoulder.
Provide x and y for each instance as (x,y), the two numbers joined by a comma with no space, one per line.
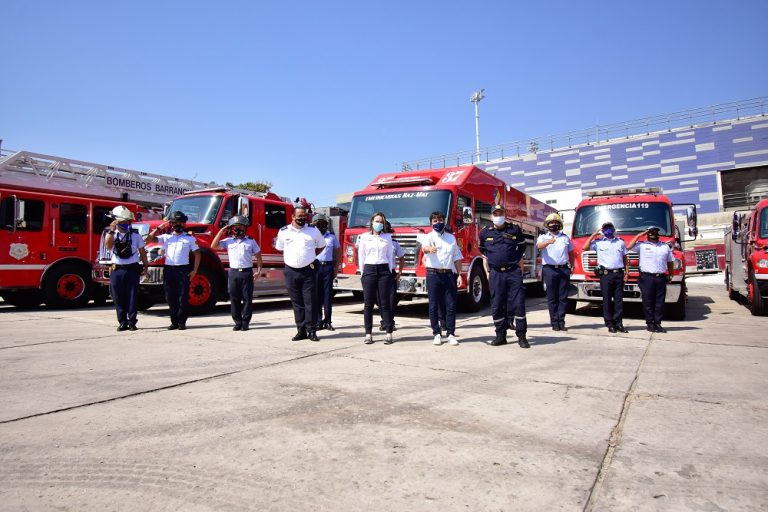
(284,228)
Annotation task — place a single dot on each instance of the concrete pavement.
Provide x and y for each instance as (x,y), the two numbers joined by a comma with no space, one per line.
(211,419)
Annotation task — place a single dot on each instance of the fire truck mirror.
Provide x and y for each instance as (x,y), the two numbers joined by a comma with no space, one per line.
(9,211)
(735,227)
(243,206)
(466,214)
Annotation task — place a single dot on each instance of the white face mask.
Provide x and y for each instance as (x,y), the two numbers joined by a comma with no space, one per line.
(498,221)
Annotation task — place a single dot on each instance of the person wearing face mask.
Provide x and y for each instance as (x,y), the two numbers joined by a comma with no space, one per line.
(443,260)
(126,246)
(656,266)
(301,245)
(241,250)
(612,270)
(178,246)
(557,258)
(503,246)
(327,262)
(374,255)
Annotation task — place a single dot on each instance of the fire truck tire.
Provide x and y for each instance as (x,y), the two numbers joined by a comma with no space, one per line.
(145,301)
(536,290)
(23,298)
(203,291)
(676,311)
(357,296)
(100,295)
(477,291)
(570,307)
(756,301)
(67,286)
(729,286)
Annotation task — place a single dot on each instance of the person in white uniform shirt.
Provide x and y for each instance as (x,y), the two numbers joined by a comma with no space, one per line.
(241,250)
(656,266)
(300,245)
(557,256)
(374,255)
(443,259)
(177,272)
(126,246)
(612,270)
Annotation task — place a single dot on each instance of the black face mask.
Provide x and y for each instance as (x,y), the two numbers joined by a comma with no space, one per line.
(178,229)
(653,238)
(323,230)
(239,232)
(300,221)
(555,227)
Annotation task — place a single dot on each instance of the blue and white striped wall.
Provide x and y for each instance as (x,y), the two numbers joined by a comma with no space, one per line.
(684,162)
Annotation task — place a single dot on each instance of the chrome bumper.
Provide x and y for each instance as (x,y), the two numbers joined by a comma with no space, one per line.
(590,291)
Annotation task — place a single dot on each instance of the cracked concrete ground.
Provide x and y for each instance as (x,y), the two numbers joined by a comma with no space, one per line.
(211,419)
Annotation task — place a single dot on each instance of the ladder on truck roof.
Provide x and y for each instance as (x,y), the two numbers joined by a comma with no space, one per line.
(65,175)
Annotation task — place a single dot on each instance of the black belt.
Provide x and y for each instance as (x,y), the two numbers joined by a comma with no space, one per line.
(564,265)
(247,269)
(504,268)
(440,270)
(605,271)
(325,262)
(115,266)
(177,266)
(654,274)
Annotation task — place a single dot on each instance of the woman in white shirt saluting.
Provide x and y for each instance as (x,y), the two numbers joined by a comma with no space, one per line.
(374,253)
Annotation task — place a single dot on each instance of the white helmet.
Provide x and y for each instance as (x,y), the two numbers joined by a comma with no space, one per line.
(122,213)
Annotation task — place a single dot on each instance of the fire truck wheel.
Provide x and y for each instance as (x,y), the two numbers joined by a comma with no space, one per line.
(67,286)
(23,298)
(676,311)
(358,296)
(570,307)
(756,301)
(477,291)
(145,301)
(100,295)
(203,291)
(729,286)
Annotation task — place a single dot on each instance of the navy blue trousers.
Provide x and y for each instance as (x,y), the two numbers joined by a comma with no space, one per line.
(301,284)
(508,301)
(653,291)
(557,281)
(176,285)
(442,290)
(377,284)
(612,288)
(240,287)
(124,287)
(324,289)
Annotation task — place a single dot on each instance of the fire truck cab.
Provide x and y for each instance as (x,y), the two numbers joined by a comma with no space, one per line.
(208,211)
(632,211)
(746,257)
(465,195)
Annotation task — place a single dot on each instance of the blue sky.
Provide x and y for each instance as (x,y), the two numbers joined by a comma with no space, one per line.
(318,97)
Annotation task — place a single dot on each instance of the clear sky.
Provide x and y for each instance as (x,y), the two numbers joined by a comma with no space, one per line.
(318,97)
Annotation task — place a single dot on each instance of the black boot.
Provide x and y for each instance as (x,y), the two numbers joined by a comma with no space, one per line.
(522,341)
(611,329)
(658,328)
(300,335)
(555,327)
(122,327)
(650,327)
(563,327)
(500,339)
(621,328)
(312,335)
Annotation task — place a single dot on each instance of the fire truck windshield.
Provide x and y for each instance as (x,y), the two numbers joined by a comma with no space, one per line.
(199,209)
(629,217)
(764,223)
(400,208)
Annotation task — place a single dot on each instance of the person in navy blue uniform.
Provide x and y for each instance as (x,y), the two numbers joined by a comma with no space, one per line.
(241,250)
(503,246)
(612,270)
(127,247)
(327,261)
(557,256)
(656,266)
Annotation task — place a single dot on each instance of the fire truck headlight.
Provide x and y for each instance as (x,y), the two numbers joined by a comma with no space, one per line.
(350,250)
(762,263)
(678,264)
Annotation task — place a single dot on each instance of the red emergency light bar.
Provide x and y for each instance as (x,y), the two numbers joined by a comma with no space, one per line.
(624,192)
(410,181)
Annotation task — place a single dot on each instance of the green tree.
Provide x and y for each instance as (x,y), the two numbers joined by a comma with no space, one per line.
(254,186)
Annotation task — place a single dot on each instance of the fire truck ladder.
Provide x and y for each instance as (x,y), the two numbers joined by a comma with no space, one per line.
(64,175)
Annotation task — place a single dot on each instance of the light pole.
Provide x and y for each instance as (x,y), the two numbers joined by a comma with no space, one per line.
(476,98)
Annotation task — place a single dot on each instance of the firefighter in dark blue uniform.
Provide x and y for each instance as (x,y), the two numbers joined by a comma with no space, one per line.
(503,246)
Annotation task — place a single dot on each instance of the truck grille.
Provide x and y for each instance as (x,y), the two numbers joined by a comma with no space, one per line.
(592,255)
(411,248)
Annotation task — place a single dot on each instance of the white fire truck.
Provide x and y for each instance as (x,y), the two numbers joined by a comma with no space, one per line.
(52,213)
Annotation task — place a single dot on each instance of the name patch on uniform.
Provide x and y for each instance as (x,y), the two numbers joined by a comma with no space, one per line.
(509,237)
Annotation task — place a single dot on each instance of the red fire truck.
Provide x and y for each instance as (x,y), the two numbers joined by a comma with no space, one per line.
(208,211)
(52,213)
(632,211)
(746,257)
(466,196)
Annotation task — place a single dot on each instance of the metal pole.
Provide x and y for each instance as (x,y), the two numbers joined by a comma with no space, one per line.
(477,130)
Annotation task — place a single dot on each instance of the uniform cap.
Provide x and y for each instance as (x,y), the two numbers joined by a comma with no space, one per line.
(238,219)
(178,216)
(553,217)
(122,213)
(497,207)
(654,228)
(317,218)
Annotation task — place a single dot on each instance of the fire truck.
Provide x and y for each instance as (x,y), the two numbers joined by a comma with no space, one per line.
(746,257)
(208,211)
(53,211)
(632,211)
(466,196)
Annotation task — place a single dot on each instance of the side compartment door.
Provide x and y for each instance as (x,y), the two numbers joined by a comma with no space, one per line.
(70,229)
(25,245)
(272,217)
